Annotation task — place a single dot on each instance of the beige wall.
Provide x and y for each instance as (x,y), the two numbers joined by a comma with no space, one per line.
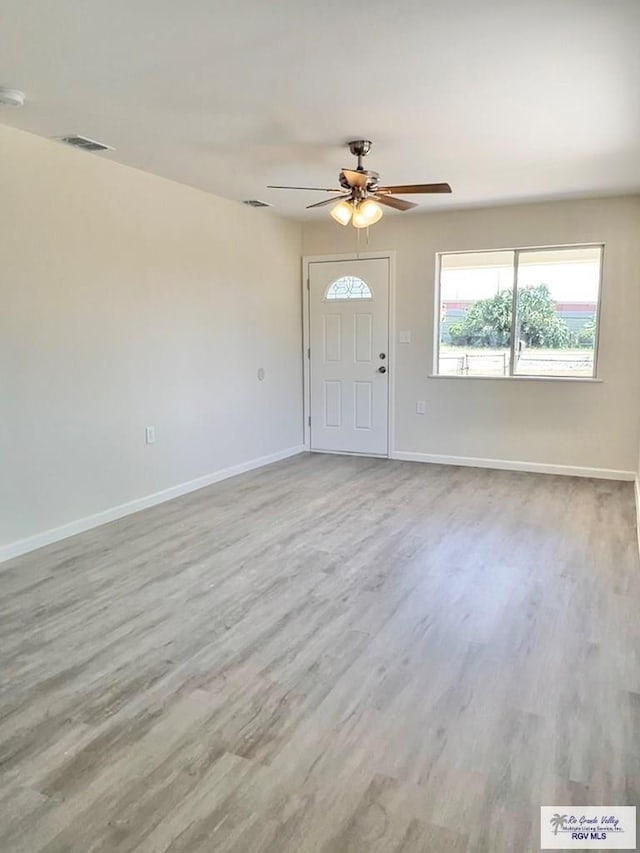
(129,300)
(590,425)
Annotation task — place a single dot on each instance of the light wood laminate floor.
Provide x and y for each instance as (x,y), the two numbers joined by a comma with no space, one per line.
(331,654)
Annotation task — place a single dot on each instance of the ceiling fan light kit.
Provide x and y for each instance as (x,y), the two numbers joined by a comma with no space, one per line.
(361,214)
(366,213)
(342,212)
(360,196)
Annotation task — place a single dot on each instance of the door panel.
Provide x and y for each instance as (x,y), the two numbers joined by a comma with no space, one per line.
(363,407)
(363,332)
(348,318)
(332,337)
(332,403)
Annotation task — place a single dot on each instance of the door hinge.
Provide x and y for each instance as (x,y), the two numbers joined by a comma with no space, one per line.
(309,352)
(308,285)
(309,420)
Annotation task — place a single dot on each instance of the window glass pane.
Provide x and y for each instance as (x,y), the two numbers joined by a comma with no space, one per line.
(476,297)
(556,315)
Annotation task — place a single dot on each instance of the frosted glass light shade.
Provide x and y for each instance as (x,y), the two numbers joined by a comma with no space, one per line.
(342,212)
(368,212)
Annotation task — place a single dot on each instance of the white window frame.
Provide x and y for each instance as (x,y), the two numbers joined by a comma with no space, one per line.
(511,377)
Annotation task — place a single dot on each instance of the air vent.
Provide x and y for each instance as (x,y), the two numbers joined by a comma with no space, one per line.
(255,202)
(85,143)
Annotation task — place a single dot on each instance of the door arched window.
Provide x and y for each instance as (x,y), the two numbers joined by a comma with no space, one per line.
(348,287)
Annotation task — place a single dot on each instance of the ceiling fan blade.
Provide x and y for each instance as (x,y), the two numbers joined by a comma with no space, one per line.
(397,203)
(328,201)
(310,189)
(355,179)
(405,189)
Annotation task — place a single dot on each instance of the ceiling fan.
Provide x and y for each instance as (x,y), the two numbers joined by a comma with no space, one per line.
(360,196)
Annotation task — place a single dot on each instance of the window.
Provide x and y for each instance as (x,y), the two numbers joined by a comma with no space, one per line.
(349,287)
(522,312)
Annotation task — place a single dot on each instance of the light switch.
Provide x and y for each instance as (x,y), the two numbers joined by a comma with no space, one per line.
(150,434)
(421,407)
(404,337)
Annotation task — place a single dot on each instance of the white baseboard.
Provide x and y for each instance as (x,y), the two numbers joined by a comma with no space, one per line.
(513,465)
(47,537)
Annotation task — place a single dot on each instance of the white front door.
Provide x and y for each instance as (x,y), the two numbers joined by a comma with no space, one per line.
(349,370)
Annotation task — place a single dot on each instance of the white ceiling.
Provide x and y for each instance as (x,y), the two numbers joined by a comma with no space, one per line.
(505,99)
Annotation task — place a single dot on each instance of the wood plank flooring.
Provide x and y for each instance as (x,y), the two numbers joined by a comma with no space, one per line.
(331,654)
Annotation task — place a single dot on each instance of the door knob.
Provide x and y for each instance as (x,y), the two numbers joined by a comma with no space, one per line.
(382,355)
(382,369)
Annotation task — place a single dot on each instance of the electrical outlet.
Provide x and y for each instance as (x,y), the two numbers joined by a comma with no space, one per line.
(421,407)
(404,337)
(150,434)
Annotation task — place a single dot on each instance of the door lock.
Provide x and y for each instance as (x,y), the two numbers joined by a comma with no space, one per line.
(382,369)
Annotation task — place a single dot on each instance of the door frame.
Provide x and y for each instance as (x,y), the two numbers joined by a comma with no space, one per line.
(389,255)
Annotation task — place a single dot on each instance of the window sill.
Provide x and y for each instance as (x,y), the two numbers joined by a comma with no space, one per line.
(578,379)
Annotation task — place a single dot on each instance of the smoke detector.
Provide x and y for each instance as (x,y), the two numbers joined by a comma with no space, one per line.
(11,97)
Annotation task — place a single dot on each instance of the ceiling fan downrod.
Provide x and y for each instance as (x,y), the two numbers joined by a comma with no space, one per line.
(360,148)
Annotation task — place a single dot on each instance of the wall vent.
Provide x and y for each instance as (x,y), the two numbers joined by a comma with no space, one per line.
(255,202)
(85,143)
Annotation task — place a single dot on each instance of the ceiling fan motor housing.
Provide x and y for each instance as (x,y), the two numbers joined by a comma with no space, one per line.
(371,185)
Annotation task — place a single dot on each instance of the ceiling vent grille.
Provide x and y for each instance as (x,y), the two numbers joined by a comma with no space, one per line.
(255,202)
(85,143)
